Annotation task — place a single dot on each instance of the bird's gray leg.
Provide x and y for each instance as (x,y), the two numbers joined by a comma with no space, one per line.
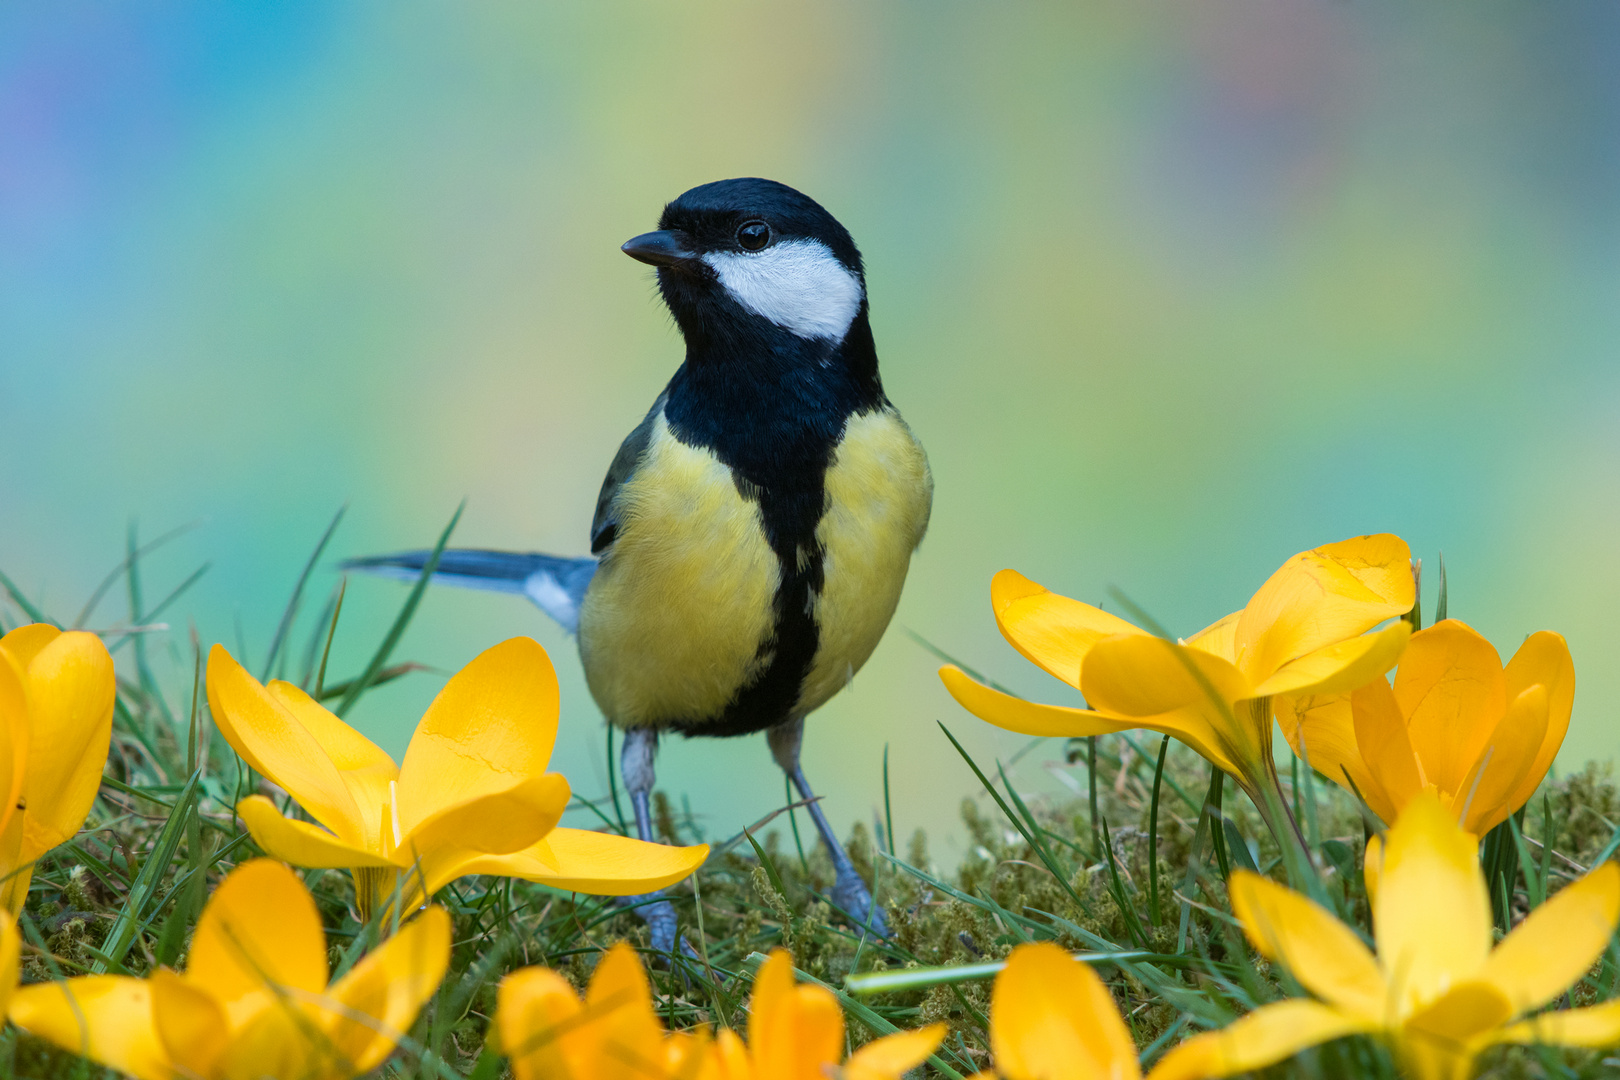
(636,766)
(849,891)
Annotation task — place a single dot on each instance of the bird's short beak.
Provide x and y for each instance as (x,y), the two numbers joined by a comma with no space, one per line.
(663,248)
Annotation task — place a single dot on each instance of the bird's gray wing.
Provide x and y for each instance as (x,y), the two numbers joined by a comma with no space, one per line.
(605,525)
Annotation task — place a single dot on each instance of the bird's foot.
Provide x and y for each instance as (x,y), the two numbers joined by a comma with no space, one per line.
(660,919)
(850,893)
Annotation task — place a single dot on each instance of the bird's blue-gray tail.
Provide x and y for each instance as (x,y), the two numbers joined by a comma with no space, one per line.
(556,585)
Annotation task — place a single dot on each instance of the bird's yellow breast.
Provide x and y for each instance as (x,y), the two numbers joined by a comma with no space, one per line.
(676,615)
(879,493)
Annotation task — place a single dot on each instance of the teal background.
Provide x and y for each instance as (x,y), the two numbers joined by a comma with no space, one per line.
(1169,291)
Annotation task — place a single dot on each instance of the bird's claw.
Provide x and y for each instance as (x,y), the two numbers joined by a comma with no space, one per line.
(660,920)
(850,893)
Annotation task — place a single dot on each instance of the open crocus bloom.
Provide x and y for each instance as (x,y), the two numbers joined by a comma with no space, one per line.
(1304,632)
(1051,1018)
(548,1033)
(472,797)
(1456,722)
(254,999)
(794,1032)
(1437,991)
(56,707)
(797,1033)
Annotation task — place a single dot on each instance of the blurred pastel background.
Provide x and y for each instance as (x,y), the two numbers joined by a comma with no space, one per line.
(1169,291)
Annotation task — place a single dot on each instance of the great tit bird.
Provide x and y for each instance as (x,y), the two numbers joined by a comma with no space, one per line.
(755,529)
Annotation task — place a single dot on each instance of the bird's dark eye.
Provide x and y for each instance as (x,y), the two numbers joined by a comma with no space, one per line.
(753,235)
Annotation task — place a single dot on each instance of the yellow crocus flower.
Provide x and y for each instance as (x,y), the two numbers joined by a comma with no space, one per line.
(1437,991)
(1051,1018)
(10,959)
(254,1000)
(1456,722)
(56,705)
(472,796)
(794,1032)
(1304,632)
(797,1033)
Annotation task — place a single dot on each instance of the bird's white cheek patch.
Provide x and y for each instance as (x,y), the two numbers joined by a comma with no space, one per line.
(796,284)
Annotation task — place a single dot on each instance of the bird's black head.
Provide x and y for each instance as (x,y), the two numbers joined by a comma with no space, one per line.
(750,259)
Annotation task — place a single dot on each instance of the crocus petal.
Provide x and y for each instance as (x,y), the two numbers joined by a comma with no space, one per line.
(804,1038)
(500,822)
(107,1018)
(601,864)
(388,986)
(192,1026)
(1341,666)
(1051,1018)
(365,768)
(1025,717)
(260,929)
(628,1034)
(1218,638)
(1482,800)
(1391,763)
(14,732)
(272,740)
(299,842)
(1321,597)
(25,642)
(688,1053)
(1443,1038)
(491,726)
(1372,864)
(773,985)
(1432,918)
(1147,676)
(278,1039)
(1267,1035)
(1452,692)
(1319,950)
(1557,942)
(1594,1026)
(10,950)
(71,687)
(1543,658)
(1052,631)
(1184,692)
(887,1058)
(535,1010)
(731,1061)
(1033,718)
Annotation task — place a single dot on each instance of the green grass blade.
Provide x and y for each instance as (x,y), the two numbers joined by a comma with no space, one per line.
(765,861)
(1440,606)
(1236,848)
(1535,886)
(1153,836)
(888,806)
(1116,886)
(291,612)
(1034,842)
(122,933)
(118,571)
(331,631)
(923,978)
(397,631)
(23,602)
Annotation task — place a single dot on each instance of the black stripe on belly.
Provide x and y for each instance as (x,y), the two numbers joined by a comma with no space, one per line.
(772,407)
(790,526)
